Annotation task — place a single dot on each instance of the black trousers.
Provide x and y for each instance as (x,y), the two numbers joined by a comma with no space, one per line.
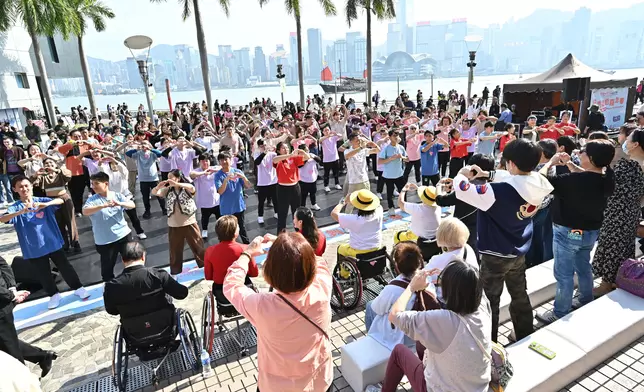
(391,182)
(339,144)
(109,253)
(308,189)
(146,187)
(266,193)
(10,344)
(433,179)
(380,182)
(206,213)
(428,248)
(416,166)
(287,197)
(40,268)
(131,213)
(374,163)
(76,187)
(455,165)
(328,167)
(242,227)
(443,161)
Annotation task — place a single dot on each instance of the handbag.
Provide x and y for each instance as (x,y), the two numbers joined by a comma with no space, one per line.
(630,277)
(304,316)
(501,368)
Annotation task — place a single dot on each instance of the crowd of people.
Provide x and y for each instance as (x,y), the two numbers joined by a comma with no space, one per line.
(521,194)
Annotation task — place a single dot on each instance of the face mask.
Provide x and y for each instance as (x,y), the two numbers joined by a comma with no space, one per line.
(625,148)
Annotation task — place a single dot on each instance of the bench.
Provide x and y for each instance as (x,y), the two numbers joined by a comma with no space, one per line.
(582,340)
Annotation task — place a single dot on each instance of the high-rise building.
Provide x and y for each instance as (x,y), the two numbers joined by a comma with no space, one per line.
(395,41)
(350,67)
(133,73)
(329,58)
(575,33)
(279,57)
(360,56)
(404,14)
(259,64)
(292,57)
(242,60)
(314,41)
(340,57)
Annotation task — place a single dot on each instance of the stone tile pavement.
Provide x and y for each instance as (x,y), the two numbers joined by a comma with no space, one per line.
(84,344)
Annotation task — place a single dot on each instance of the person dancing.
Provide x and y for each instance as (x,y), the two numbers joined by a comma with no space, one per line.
(289,193)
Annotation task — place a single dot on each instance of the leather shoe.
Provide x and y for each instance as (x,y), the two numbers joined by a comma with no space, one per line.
(47,363)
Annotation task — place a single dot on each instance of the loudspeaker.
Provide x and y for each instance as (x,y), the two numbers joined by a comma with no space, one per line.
(574,89)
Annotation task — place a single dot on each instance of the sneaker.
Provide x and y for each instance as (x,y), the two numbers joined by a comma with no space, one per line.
(255,191)
(373,388)
(54,301)
(142,236)
(78,215)
(204,233)
(275,215)
(82,293)
(338,187)
(146,215)
(576,303)
(380,196)
(260,220)
(396,193)
(327,189)
(547,317)
(315,207)
(77,248)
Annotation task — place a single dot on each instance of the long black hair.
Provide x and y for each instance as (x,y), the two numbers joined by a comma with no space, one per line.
(179,174)
(309,227)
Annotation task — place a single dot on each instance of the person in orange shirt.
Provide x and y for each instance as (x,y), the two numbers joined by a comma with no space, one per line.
(80,177)
(508,136)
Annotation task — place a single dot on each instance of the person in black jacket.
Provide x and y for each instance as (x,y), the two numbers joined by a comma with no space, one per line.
(9,341)
(140,290)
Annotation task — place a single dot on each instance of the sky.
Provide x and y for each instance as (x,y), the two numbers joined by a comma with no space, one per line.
(250,26)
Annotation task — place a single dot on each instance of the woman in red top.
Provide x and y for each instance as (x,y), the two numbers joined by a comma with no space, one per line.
(221,256)
(508,136)
(304,223)
(458,152)
(565,127)
(548,130)
(288,181)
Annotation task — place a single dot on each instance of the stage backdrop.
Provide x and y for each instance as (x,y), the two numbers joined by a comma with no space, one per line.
(612,102)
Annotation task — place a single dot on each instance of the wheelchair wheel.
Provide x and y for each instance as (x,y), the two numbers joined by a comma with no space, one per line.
(347,275)
(189,338)
(208,318)
(337,297)
(119,361)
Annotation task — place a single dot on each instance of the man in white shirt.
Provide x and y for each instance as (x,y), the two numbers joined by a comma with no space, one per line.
(357,171)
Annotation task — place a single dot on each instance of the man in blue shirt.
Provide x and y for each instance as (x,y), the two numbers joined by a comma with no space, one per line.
(148,176)
(111,232)
(392,157)
(230,184)
(429,158)
(40,240)
(506,114)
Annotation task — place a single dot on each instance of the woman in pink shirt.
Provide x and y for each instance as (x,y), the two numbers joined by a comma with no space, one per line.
(293,347)
(414,139)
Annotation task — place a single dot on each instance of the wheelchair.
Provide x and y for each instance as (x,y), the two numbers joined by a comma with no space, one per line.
(351,275)
(215,313)
(154,336)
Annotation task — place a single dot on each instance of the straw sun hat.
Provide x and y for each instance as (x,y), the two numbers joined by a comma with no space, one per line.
(427,195)
(364,200)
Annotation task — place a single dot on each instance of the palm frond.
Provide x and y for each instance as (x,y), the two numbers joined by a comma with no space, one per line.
(328,7)
(8,14)
(187,9)
(351,11)
(292,6)
(225,6)
(263,2)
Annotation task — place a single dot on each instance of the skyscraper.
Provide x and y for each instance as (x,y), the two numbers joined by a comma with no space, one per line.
(360,56)
(351,53)
(575,34)
(133,73)
(259,64)
(395,41)
(242,60)
(314,39)
(340,57)
(292,57)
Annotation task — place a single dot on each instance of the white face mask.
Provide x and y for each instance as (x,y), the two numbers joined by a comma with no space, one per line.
(625,147)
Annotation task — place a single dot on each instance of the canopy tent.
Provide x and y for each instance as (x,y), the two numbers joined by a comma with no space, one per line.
(569,67)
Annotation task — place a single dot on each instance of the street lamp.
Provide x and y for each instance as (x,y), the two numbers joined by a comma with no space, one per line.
(281,77)
(140,43)
(472,42)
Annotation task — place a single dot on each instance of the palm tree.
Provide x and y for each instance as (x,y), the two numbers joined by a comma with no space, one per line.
(382,9)
(188,7)
(40,18)
(96,11)
(293,8)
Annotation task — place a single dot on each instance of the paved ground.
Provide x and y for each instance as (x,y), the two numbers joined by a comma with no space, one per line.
(84,345)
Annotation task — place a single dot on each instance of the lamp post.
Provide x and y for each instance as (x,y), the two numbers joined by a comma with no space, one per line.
(281,77)
(472,43)
(140,43)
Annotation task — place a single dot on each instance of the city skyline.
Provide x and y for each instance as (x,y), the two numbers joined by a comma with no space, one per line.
(268,26)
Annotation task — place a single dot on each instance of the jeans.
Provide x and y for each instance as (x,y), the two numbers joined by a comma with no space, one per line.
(572,255)
(6,185)
(541,247)
(369,315)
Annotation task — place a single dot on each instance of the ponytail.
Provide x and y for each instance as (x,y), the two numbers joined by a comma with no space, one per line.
(309,227)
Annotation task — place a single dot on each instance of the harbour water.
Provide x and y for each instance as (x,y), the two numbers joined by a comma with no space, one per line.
(242,96)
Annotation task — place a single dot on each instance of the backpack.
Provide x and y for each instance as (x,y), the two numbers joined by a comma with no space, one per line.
(501,368)
(424,299)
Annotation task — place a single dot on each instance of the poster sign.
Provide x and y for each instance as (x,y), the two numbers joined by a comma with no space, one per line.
(611,102)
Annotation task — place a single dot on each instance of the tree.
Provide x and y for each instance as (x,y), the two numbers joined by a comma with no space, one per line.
(293,8)
(40,18)
(96,11)
(382,9)
(190,6)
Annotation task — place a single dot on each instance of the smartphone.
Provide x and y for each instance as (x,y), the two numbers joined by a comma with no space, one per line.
(534,346)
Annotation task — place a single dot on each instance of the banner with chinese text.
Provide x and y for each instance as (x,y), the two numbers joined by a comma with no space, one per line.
(611,102)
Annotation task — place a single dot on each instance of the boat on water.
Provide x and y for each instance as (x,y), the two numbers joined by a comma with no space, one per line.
(341,84)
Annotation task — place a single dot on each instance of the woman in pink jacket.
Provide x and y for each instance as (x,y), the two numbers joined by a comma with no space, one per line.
(293,348)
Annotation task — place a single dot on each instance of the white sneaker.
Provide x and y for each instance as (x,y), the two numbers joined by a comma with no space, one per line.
(380,196)
(78,215)
(275,215)
(54,301)
(327,189)
(204,233)
(338,187)
(142,236)
(315,207)
(82,293)
(260,220)
(373,388)
(396,193)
